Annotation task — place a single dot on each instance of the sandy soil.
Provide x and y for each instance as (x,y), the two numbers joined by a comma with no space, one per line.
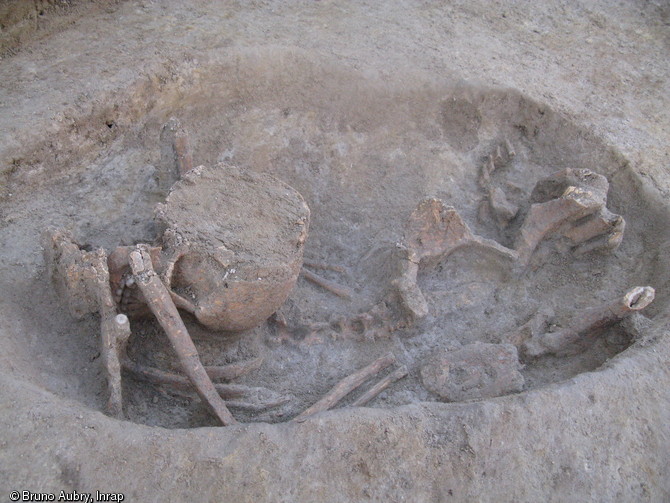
(365,110)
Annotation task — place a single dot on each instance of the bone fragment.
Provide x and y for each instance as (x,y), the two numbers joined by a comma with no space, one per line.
(324,266)
(160,302)
(236,395)
(82,279)
(176,157)
(498,155)
(478,370)
(176,381)
(233,370)
(397,374)
(544,218)
(411,297)
(332,287)
(72,272)
(182,302)
(603,231)
(434,231)
(588,322)
(570,203)
(510,149)
(534,326)
(345,386)
(503,210)
(115,334)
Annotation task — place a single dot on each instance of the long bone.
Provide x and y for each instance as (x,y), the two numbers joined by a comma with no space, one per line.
(332,287)
(588,322)
(115,332)
(370,394)
(160,302)
(345,386)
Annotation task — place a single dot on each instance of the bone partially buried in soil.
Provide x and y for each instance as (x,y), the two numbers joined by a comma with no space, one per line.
(478,370)
(232,264)
(236,283)
(569,204)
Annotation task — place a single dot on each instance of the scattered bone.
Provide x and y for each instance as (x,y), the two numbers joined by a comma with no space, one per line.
(82,279)
(567,197)
(160,302)
(346,386)
(182,302)
(478,370)
(378,322)
(435,230)
(555,185)
(176,157)
(411,297)
(498,157)
(544,218)
(115,335)
(603,231)
(331,286)
(255,398)
(593,226)
(394,376)
(534,326)
(502,209)
(127,295)
(175,381)
(233,370)
(588,322)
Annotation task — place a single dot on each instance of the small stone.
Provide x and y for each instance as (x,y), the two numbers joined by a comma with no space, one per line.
(478,370)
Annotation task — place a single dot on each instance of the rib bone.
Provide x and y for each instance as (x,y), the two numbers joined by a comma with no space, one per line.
(345,386)
(397,374)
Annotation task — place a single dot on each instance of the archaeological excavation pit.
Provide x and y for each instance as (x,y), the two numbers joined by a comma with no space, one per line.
(464,243)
